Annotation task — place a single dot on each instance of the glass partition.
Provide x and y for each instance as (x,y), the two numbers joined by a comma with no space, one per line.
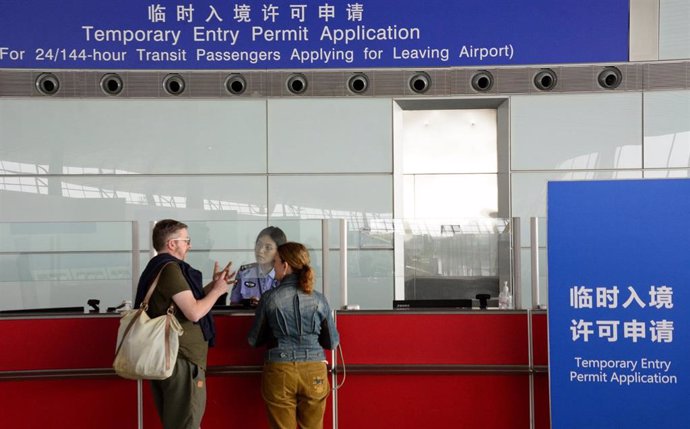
(65,264)
(456,259)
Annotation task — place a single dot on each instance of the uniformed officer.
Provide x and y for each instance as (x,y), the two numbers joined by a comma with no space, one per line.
(255,279)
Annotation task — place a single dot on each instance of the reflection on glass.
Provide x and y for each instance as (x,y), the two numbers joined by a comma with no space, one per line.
(377,234)
(64,264)
(32,185)
(11,167)
(456,259)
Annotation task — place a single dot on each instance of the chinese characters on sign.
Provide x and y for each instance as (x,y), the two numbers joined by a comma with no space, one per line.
(660,331)
(158,13)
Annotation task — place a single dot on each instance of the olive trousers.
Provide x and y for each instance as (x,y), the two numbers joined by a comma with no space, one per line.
(295,393)
(181,398)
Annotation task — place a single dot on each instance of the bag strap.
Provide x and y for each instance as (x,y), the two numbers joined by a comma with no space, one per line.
(168,315)
(143,307)
(145,302)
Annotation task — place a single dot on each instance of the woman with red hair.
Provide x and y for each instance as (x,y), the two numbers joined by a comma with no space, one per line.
(295,323)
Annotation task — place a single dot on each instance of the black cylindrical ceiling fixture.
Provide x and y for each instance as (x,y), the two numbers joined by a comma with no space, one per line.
(420,82)
(610,78)
(482,81)
(235,84)
(297,83)
(545,80)
(358,83)
(112,84)
(47,84)
(174,84)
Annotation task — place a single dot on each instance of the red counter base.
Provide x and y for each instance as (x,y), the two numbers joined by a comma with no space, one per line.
(407,370)
(106,403)
(434,401)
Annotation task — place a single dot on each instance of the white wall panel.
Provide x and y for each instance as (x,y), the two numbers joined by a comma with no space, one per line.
(666,174)
(330,136)
(583,132)
(115,198)
(76,136)
(667,129)
(674,29)
(354,197)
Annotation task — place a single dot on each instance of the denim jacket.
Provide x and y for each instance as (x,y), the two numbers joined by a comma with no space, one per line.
(294,325)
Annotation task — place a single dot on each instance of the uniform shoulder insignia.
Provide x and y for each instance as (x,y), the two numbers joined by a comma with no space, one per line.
(248,266)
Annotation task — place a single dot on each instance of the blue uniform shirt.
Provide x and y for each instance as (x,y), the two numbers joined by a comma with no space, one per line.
(251,283)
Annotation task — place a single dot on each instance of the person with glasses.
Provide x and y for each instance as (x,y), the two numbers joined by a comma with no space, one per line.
(181,398)
(255,279)
(295,323)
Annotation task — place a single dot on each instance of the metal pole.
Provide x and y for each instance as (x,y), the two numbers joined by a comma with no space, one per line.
(140,404)
(534,252)
(531,368)
(136,267)
(343,261)
(324,255)
(517,263)
(152,251)
(334,379)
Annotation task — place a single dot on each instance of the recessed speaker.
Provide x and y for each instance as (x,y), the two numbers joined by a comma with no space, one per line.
(545,80)
(297,83)
(482,81)
(235,84)
(610,78)
(420,82)
(358,83)
(174,84)
(112,84)
(47,84)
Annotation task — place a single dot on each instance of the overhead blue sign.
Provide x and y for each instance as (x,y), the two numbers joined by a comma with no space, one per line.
(619,304)
(280,34)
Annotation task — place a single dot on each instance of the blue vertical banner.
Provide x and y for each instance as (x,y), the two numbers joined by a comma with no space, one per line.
(619,304)
(275,34)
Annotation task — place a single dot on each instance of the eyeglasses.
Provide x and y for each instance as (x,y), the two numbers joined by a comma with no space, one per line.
(187,240)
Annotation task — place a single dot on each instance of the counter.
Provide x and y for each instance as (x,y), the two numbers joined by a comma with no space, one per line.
(402,368)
